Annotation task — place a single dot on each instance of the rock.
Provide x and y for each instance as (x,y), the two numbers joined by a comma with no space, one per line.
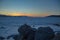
(57,36)
(24,29)
(15,37)
(57,24)
(26,32)
(10,36)
(44,33)
(2,27)
(2,38)
(34,29)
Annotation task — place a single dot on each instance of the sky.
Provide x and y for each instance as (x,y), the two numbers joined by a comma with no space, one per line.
(30,7)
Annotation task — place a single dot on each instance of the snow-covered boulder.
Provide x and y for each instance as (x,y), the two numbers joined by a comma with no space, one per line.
(26,32)
(44,33)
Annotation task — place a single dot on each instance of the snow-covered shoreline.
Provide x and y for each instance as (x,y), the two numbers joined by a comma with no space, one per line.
(9,26)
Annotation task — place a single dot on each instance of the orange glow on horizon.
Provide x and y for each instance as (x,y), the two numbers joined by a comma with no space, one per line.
(24,14)
(19,14)
(32,15)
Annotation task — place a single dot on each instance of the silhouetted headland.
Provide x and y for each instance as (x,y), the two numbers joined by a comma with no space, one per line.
(54,16)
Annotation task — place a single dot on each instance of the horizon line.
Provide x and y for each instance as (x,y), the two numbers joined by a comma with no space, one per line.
(25,15)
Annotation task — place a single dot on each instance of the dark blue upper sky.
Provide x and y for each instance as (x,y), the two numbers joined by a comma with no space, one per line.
(31,6)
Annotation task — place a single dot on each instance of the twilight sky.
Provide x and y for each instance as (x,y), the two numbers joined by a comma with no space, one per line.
(30,7)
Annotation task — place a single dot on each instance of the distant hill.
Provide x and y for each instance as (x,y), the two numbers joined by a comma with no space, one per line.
(3,15)
(28,16)
(54,16)
(12,16)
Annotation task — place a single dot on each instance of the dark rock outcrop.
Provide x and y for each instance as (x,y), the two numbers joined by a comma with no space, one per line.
(26,32)
(15,37)
(2,38)
(23,29)
(44,33)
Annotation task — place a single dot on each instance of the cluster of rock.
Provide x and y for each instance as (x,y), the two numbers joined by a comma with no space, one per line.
(26,32)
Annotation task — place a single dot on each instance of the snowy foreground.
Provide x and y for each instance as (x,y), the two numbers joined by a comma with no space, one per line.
(9,26)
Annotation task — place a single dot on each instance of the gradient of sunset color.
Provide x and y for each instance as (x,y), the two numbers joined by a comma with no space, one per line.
(35,8)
